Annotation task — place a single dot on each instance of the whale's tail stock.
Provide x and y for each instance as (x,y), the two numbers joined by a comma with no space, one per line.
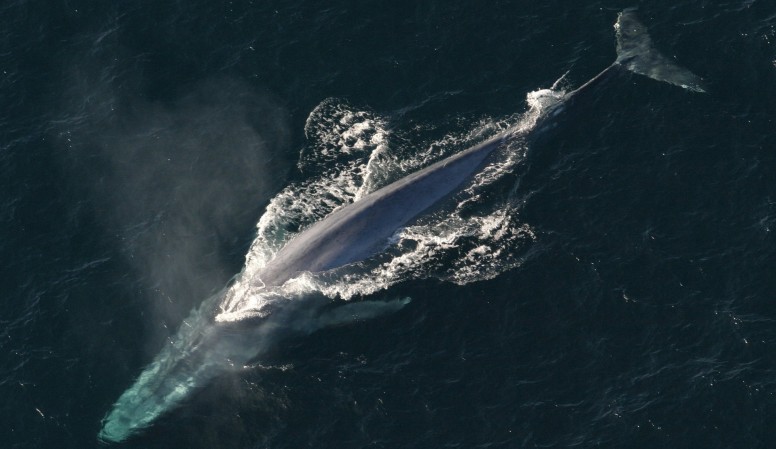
(636,53)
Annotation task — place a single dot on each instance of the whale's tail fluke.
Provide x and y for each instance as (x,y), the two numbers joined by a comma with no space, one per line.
(636,53)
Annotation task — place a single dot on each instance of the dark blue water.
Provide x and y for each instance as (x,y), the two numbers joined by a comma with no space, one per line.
(140,143)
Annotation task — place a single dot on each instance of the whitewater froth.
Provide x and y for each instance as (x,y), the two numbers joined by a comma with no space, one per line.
(351,153)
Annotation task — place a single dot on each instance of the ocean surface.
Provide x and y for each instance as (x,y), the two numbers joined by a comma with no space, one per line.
(611,284)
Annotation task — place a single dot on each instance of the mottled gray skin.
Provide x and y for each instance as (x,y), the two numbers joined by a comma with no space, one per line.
(360,229)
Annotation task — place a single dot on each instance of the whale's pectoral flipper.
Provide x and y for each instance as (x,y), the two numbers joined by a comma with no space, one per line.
(636,53)
(357,311)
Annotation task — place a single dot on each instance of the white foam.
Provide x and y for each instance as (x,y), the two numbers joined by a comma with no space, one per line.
(350,154)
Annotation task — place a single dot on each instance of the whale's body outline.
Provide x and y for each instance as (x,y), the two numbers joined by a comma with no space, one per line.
(205,346)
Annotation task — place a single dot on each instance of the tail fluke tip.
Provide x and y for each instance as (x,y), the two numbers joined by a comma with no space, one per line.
(636,52)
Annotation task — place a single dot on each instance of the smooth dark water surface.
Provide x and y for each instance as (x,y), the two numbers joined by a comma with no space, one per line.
(140,143)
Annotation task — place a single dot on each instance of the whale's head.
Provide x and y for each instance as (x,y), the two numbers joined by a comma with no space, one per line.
(183,365)
(205,348)
(201,350)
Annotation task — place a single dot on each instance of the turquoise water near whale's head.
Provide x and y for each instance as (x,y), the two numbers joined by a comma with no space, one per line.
(142,142)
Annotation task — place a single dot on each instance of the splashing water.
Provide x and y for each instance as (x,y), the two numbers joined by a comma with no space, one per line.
(353,154)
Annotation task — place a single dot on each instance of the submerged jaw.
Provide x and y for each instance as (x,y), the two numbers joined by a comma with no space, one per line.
(196,356)
(162,385)
(201,350)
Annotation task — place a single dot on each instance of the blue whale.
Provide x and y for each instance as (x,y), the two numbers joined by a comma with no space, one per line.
(205,347)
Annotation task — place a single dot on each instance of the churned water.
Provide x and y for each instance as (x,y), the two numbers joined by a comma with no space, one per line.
(611,284)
